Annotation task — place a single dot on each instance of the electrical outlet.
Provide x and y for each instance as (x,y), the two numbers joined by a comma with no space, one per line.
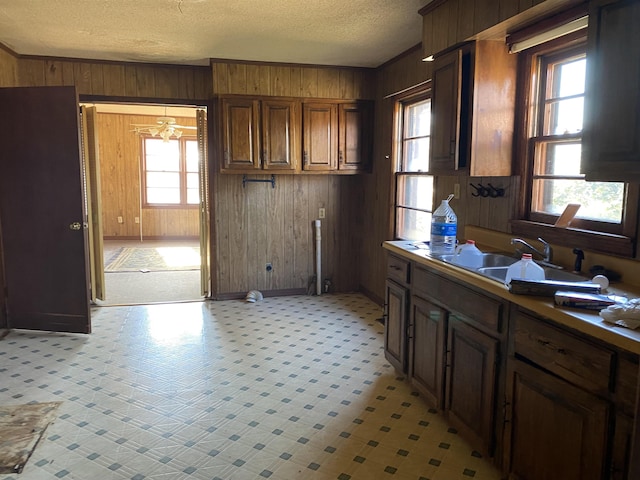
(321,213)
(269,267)
(120,220)
(456,190)
(136,219)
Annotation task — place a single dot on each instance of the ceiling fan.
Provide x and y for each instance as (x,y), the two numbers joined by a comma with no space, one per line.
(165,127)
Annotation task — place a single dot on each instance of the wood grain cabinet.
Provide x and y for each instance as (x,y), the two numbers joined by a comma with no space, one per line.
(454,353)
(396,311)
(611,150)
(336,136)
(260,134)
(566,411)
(473,108)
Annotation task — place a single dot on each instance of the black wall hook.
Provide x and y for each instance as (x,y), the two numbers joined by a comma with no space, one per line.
(488,191)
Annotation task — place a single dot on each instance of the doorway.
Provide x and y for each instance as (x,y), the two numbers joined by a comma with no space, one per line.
(151,243)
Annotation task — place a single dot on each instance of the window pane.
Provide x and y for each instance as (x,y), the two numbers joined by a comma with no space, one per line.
(416,155)
(417,119)
(413,224)
(193,180)
(415,191)
(193,196)
(162,156)
(163,195)
(191,150)
(600,201)
(559,159)
(570,78)
(163,179)
(565,117)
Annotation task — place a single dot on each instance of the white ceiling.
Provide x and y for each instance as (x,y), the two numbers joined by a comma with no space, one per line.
(359,33)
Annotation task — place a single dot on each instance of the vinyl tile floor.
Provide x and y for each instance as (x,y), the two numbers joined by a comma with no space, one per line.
(286,388)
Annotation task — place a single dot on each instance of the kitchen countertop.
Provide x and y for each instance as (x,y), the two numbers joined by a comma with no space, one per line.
(584,321)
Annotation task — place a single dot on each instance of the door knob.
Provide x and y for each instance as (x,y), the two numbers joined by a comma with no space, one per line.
(75,226)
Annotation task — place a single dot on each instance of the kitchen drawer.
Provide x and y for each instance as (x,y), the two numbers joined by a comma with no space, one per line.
(627,385)
(576,360)
(456,298)
(398,269)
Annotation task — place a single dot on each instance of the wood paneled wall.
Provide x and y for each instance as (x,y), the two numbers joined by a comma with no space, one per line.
(117,79)
(257,224)
(119,149)
(8,69)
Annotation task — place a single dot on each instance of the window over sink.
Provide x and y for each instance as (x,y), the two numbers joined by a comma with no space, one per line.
(552,100)
(413,186)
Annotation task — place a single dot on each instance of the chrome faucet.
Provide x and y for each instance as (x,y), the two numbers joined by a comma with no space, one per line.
(546,252)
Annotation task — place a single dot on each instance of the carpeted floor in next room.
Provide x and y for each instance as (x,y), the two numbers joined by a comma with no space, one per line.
(287,388)
(131,286)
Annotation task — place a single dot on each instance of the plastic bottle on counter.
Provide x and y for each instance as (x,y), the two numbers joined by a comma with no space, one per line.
(468,255)
(444,228)
(524,269)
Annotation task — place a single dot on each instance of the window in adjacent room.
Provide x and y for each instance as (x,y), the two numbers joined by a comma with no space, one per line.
(552,122)
(414,188)
(170,172)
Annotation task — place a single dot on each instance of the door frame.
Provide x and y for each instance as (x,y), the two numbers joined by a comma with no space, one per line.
(209,105)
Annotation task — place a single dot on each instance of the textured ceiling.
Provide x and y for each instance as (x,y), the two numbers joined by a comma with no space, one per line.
(362,33)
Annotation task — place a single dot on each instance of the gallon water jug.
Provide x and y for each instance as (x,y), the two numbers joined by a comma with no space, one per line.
(524,269)
(444,228)
(468,255)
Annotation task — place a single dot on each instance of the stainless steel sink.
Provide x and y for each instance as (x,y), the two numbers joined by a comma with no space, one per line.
(489,260)
(495,266)
(500,273)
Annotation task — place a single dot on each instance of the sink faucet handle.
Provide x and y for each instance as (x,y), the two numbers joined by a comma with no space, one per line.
(547,249)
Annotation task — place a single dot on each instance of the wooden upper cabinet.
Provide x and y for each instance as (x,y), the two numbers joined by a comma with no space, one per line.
(280,135)
(240,137)
(355,140)
(473,108)
(320,136)
(611,137)
(336,136)
(260,134)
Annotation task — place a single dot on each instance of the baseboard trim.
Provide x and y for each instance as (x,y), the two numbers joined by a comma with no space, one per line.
(267,293)
(153,237)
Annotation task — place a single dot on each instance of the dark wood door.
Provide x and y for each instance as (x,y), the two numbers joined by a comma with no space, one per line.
(354,120)
(395,327)
(240,133)
(471,377)
(446,104)
(426,350)
(281,123)
(555,430)
(42,210)
(320,136)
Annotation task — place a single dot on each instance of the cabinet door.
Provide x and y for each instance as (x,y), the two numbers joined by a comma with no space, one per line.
(240,134)
(354,152)
(471,375)
(446,104)
(280,135)
(553,429)
(621,449)
(395,327)
(611,146)
(320,136)
(426,349)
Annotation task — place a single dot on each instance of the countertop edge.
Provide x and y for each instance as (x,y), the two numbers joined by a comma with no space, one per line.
(583,321)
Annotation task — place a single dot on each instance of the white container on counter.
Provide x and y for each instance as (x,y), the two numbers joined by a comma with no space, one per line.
(524,269)
(468,255)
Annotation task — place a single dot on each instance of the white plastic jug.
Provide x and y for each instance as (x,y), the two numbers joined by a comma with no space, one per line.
(525,269)
(468,255)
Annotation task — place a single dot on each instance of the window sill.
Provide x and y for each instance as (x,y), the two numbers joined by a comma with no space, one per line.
(608,243)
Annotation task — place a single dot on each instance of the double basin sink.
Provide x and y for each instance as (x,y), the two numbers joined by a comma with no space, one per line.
(495,266)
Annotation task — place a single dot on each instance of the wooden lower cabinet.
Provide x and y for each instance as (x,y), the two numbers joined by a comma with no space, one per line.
(471,382)
(395,331)
(621,448)
(427,329)
(554,430)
